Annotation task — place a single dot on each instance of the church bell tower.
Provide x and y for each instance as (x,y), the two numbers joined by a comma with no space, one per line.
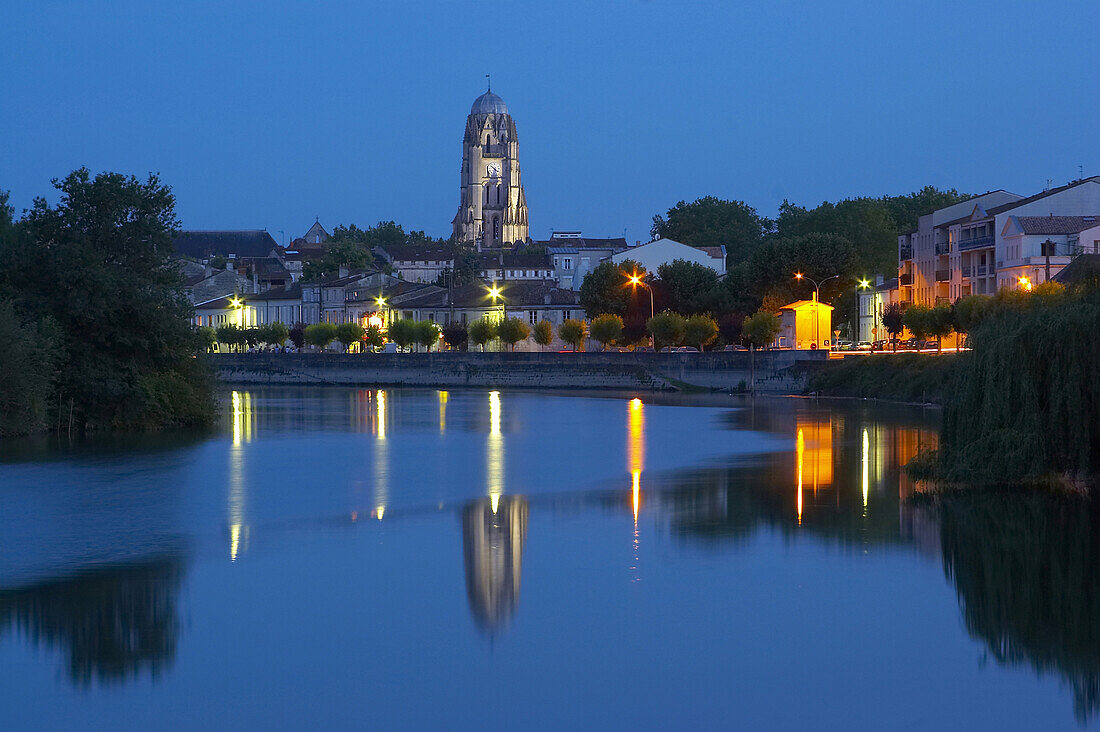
(492,208)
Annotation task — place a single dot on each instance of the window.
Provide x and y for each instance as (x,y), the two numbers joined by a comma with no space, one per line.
(533,316)
(567,263)
(566,314)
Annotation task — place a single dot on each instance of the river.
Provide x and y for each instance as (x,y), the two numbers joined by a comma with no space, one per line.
(339,558)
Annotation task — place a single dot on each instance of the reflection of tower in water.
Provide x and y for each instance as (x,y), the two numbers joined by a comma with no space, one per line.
(493,534)
(494,469)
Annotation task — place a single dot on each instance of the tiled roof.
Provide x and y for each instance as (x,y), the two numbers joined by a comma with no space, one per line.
(1083,268)
(392,291)
(713,252)
(243,244)
(585,242)
(1056,224)
(514,294)
(513,260)
(1038,196)
(417,253)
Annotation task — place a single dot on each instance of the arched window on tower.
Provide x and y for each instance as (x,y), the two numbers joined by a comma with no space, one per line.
(496,229)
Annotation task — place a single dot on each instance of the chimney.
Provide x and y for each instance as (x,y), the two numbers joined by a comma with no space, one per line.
(343,271)
(207,269)
(255,280)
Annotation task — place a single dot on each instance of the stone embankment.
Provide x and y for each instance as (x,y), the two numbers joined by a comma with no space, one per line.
(649,371)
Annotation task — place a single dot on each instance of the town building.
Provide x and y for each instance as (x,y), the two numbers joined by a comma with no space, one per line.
(574,255)
(514,265)
(492,206)
(325,300)
(805,325)
(248,310)
(204,246)
(665,251)
(872,304)
(417,262)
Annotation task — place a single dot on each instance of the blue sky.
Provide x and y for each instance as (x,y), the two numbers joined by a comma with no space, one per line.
(266,114)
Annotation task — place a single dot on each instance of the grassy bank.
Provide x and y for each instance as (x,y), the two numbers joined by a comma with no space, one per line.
(907,377)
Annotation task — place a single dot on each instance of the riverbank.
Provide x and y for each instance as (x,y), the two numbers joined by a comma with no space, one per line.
(776,372)
(909,377)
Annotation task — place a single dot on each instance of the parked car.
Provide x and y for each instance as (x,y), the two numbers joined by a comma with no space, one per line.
(734,347)
(865,346)
(644,349)
(843,345)
(687,349)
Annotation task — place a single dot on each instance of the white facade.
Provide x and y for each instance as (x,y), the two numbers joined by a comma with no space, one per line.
(665,251)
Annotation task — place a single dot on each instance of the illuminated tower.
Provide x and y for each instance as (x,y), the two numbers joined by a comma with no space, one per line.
(492,207)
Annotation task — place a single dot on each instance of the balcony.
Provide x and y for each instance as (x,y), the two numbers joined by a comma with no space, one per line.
(943,275)
(906,279)
(494,151)
(976,243)
(905,252)
(943,247)
(967,272)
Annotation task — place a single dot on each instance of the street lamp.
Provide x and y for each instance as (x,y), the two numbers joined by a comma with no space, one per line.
(1024,282)
(380,303)
(817,299)
(237,304)
(863,285)
(495,293)
(634,280)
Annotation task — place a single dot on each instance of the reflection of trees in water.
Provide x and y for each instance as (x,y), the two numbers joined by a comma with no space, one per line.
(1026,568)
(113,622)
(492,544)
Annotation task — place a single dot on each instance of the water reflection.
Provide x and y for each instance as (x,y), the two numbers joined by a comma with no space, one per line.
(381,461)
(112,624)
(493,534)
(243,421)
(495,452)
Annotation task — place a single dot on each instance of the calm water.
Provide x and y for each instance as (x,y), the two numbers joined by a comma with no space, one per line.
(342,558)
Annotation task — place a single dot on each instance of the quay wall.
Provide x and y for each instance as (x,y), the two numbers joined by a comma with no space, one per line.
(648,371)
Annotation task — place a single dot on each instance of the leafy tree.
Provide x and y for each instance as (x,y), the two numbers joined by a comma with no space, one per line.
(700,330)
(97,265)
(667,329)
(573,332)
(297,336)
(373,338)
(607,329)
(712,222)
(455,335)
(320,334)
(917,318)
(251,336)
(968,312)
(29,362)
(689,286)
(467,270)
(773,266)
(941,321)
(481,332)
(512,331)
(427,334)
(605,290)
(760,329)
(230,335)
(348,333)
(544,333)
(338,253)
(207,338)
(274,333)
(893,320)
(402,332)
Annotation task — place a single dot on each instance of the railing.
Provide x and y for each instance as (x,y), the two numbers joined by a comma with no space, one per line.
(943,275)
(905,252)
(967,271)
(975,243)
(494,151)
(943,247)
(981,270)
(905,279)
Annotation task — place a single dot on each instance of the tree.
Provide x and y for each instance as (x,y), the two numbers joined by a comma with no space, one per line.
(427,334)
(607,329)
(207,337)
(573,332)
(230,335)
(273,333)
(250,336)
(893,320)
(467,270)
(605,290)
(97,265)
(689,286)
(667,329)
(481,332)
(512,331)
(455,335)
(402,332)
(917,319)
(700,330)
(544,333)
(713,222)
(348,333)
(320,334)
(373,338)
(338,253)
(941,322)
(29,362)
(297,336)
(760,329)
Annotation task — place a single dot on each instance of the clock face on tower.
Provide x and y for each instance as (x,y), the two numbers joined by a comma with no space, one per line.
(493,171)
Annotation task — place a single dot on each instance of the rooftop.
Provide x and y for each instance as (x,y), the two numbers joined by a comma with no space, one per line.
(1056,224)
(245,243)
(489,103)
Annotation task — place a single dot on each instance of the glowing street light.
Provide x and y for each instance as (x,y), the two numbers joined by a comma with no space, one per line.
(496,294)
(1025,283)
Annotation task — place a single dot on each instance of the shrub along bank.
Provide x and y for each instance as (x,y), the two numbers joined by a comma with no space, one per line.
(908,377)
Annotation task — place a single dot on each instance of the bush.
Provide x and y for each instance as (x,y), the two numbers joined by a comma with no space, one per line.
(512,331)
(573,332)
(481,332)
(607,329)
(667,329)
(700,331)
(320,334)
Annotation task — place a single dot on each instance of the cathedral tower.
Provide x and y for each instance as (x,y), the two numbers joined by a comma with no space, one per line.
(492,207)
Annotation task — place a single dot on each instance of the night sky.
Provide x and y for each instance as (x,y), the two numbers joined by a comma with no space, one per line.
(266,114)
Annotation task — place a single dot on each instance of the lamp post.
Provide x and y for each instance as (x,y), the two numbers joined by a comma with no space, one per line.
(863,285)
(817,299)
(634,281)
(380,303)
(494,292)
